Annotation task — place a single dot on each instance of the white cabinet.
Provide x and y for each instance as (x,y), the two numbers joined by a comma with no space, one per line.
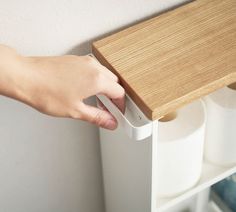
(130,169)
(164,63)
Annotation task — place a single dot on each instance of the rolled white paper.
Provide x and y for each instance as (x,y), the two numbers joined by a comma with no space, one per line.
(220,147)
(180,150)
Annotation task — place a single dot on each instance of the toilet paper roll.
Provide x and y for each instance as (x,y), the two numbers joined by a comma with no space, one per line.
(220,147)
(180,150)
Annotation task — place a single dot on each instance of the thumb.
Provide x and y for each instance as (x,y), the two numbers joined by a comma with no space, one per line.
(101,118)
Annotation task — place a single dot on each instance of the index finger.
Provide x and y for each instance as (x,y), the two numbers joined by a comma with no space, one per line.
(115,92)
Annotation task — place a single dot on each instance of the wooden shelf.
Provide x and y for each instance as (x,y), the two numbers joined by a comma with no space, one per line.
(211,174)
(172,59)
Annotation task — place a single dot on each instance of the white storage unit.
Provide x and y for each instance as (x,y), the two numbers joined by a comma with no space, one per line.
(165,64)
(130,166)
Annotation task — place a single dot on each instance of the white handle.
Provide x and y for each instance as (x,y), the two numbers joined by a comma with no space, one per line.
(134,132)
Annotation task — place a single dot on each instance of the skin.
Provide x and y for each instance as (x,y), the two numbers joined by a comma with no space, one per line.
(58,86)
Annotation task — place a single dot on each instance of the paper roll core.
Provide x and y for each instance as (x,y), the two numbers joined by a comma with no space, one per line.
(168,117)
(232,86)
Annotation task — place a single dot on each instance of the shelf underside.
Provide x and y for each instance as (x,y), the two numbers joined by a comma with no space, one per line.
(211,174)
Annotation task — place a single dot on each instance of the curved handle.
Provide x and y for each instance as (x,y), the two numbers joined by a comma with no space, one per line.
(134,132)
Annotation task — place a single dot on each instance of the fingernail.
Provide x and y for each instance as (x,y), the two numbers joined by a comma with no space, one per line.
(110,124)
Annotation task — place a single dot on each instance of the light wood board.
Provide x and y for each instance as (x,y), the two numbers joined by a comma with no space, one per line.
(172,59)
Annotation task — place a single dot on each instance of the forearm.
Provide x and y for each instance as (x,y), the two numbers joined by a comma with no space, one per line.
(13,74)
(9,70)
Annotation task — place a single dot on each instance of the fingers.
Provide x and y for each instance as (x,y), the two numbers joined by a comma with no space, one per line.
(106,71)
(116,93)
(120,103)
(111,88)
(98,116)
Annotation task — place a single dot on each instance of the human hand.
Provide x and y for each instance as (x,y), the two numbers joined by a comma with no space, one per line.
(58,86)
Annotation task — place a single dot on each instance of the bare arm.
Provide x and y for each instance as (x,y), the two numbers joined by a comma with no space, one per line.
(57,86)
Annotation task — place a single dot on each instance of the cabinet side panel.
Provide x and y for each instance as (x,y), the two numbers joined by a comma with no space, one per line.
(126,172)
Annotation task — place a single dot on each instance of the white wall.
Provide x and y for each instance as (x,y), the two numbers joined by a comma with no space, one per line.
(49,164)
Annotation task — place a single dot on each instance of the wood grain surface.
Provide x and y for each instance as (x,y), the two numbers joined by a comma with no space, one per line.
(172,59)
